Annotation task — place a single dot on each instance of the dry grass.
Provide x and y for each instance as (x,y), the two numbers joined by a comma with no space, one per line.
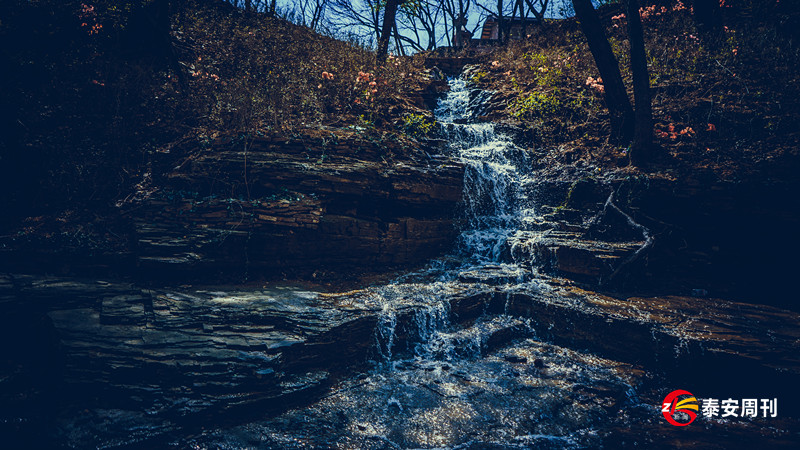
(255,73)
(94,106)
(733,93)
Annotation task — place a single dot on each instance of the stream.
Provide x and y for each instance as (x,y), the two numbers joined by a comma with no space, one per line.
(450,380)
(448,384)
(468,353)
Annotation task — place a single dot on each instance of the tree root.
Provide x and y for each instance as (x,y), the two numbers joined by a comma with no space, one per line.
(649,239)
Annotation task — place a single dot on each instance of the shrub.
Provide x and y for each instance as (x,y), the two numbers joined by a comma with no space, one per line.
(478,77)
(417,125)
(536,105)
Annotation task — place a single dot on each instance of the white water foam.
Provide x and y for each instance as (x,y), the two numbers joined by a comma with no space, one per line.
(495,215)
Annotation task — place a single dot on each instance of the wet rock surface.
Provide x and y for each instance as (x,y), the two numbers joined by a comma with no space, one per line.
(486,402)
(576,400)
(169,359)
(541,363)
(727,237)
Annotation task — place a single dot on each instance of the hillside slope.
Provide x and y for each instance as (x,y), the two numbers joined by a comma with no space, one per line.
(724,101)
(109,97)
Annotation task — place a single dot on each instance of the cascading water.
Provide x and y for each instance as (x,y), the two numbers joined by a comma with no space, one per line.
(496,211)
(435,384)
(496,205)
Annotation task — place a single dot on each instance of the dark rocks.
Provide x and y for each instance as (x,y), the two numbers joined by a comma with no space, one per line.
(516,359)
(427,94)
(187,357)
(273,205)
(192,357)
(451,65)
(482,403)
(727,238)
(570,254)
(124,310)
(711,343)
(42,293)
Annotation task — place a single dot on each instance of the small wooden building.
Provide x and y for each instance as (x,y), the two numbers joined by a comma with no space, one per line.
(517,28)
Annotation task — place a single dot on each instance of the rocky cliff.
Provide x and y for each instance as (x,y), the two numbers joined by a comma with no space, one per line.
(266,205)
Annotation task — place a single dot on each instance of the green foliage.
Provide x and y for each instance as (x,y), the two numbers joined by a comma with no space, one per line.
(621,49)
(586,102)
(478,77)
(535,105)
(366,122)
(545,73)
(417,125)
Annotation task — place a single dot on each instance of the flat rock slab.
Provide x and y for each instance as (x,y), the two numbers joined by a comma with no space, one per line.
(181,355)
(493,274)
(713,344)
(682,336)
(528,394)
(570,254)
(479,402)
(759,333)
(190,356)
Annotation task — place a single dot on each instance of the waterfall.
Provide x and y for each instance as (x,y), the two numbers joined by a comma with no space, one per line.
(456,364)
(496,207)
(494,216)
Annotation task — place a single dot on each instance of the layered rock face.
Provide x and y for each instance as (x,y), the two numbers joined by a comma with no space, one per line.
(266,205)
(702,237)
(125,364)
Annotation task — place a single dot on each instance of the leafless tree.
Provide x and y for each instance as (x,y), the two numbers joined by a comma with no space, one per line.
(419,23)
(617,101)
(453,9)
(500,12)
(536,8)
(311,12)
(357,18)
(643,129)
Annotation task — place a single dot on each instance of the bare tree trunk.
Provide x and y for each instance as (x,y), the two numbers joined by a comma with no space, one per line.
(500,22)
(643,130)
(617,101)
(389,15)
(538,13)
(514,6)
(447,34)
(397,43)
